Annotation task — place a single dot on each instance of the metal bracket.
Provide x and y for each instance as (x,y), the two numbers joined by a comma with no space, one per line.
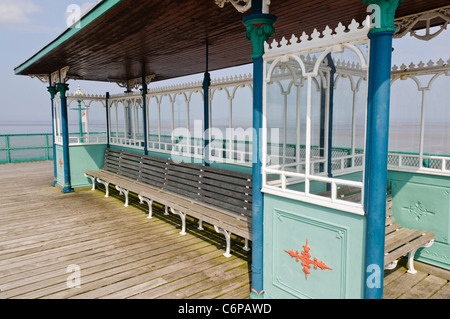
(391,265)
(183,220)
(246,246)
(227,235)
(411,269)
(123,191)
(106,186)
(149,202)
(92,179)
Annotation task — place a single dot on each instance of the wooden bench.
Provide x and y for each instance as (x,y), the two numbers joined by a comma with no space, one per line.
(399,240)
(219,197)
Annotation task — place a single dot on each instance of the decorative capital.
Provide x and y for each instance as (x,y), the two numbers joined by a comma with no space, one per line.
(259,29)
(62,88)
(52,90)
(383,14)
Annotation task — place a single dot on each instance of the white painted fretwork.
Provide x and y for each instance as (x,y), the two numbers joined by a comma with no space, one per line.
(423,76)
(309,62)
(438,17)
(243,5)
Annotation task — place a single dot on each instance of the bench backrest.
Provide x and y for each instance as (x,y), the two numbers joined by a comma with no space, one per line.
(222,188)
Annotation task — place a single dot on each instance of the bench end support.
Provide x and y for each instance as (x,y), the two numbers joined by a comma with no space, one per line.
(123,191)
(106,186)
(92,179)
(411,269)
(227,235)
(183,220)
(149,202)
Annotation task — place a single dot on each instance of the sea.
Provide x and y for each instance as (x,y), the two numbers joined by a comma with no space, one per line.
(403,136)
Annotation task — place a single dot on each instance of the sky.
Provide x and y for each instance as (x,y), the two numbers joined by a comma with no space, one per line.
(28,25)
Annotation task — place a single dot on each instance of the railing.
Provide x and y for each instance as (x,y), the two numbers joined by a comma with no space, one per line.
(25,147)
(434,164)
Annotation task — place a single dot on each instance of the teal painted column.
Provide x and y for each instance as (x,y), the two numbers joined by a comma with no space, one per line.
(144,110)
(377,141)
(206,116)
(63,88)
(108,130)
(52,90)
(259,29)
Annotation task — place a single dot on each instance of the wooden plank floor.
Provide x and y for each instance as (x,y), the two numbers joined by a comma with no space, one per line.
(428,283)
(122,254)
(45,235)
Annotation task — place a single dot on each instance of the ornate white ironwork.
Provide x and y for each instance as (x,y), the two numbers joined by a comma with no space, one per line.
(59,76)
(133,83)
(424,75)
(406,24)
(305,64)
(243,5)
(328,38)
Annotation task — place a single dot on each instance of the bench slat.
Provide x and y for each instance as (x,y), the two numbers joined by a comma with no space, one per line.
(401,237)
(393,255)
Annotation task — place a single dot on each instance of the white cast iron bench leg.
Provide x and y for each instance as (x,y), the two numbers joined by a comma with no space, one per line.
(183,220)
(92,179)
(227,235)
(411,269)
(123,191)
(149,203)
(106,186)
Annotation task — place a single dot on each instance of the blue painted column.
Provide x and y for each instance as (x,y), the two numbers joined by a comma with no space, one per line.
(206,116)
(63,88)
(144,110)
(108,130)
(377,141)
(52,90)
(259,29)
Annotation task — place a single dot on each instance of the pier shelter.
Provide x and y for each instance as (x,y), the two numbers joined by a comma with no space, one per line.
(322,182)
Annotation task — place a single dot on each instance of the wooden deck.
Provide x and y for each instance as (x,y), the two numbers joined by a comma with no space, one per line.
(122,254)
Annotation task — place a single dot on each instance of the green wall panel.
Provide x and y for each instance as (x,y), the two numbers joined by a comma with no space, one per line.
(82,158)
(334,237)
(59,167)
(423,202)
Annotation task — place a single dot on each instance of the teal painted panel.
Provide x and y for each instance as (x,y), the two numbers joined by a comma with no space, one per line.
(423,202)
(82,158)
(335,238)
(59,165)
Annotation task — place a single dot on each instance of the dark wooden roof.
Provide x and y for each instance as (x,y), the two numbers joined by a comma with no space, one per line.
(169,36)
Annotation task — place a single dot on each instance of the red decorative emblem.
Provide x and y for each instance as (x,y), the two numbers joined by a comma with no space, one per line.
(306,261)
(60,162)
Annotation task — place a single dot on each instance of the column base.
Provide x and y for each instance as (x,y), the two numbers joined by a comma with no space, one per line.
(67,189)
(54,182)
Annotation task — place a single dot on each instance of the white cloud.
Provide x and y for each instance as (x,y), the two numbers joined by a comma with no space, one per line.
(17,11)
